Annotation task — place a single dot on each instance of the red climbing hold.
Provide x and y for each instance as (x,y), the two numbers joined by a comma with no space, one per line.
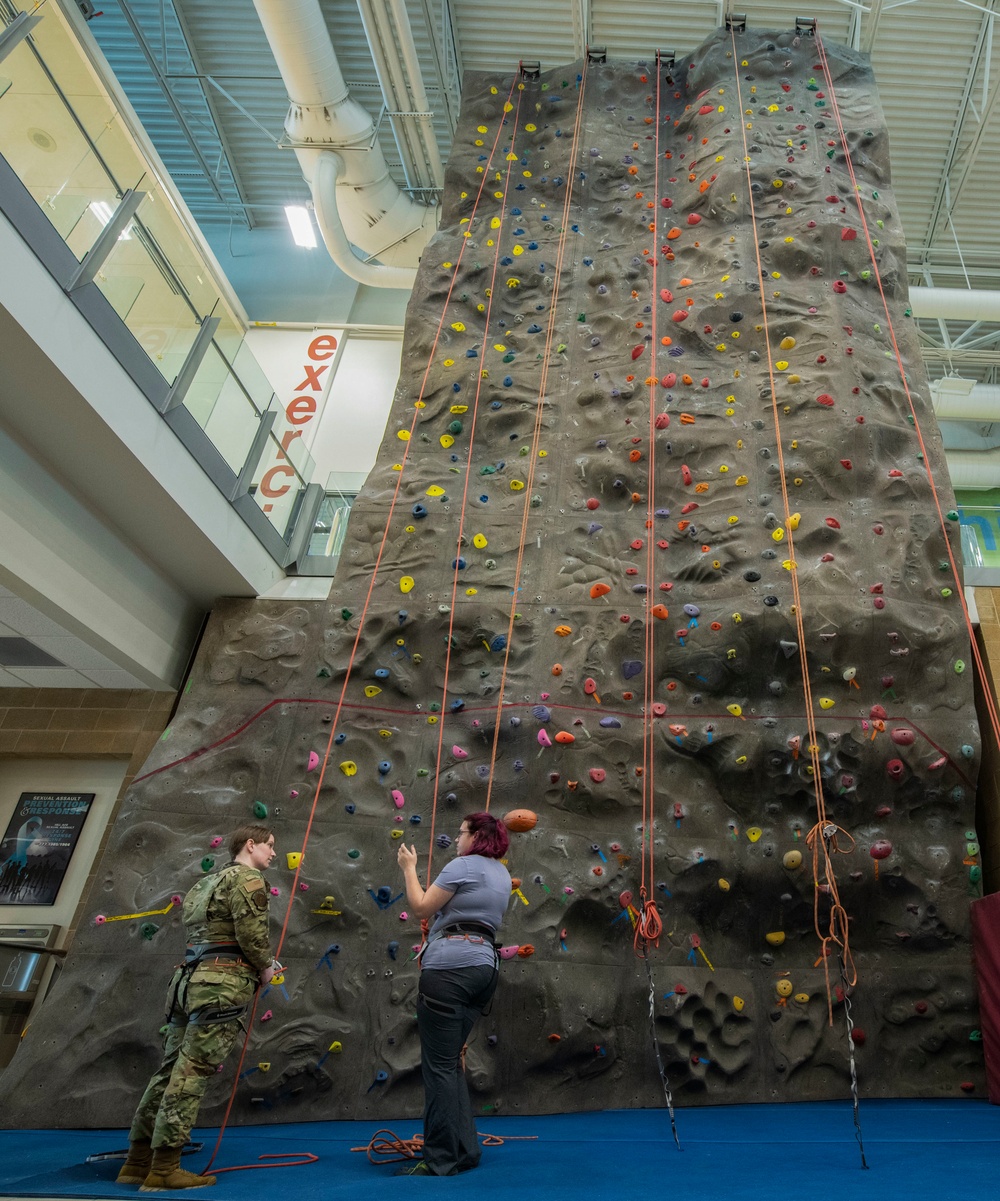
(846,464)
(593,503)
(694,218)
(668,381)
(825,399)
(662,419)
(636,351)
(706,109)
(690,506)
(686,474)
(667,202)
(839,286)
(666,295)
(680,315)
(848,235)
(833,523)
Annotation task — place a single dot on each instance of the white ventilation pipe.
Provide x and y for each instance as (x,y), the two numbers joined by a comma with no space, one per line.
(365,205)
(955,304)
(979,403)
(974,469)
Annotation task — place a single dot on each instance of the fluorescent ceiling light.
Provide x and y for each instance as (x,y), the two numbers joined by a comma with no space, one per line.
(301,225)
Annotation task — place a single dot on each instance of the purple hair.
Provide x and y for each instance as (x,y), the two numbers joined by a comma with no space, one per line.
(489,836)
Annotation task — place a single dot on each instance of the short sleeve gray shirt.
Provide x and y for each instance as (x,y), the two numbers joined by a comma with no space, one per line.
(481,892)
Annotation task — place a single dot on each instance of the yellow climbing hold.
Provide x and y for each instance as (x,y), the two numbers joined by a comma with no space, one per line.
(741,480)
(793,521)
(733,520)
(778,535)
(518,250)
(349,767)
(781,365)
(471,591)
(724,884)
(457,409)
(403,435)
(826,702)
(754,833)
(435,490)
(458,327)
(775,938)
(449,362)
(788,564)
(787,343)
(530,127)
(792,860)
(802,998)
(479,541)
(738,1004)
(495,223)
(516,485)
(406,583)
(447,441)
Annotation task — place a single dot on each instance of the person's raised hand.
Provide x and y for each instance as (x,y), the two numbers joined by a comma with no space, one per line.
(406,856)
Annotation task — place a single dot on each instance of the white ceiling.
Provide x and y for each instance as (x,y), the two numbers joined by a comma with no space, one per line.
(83,667)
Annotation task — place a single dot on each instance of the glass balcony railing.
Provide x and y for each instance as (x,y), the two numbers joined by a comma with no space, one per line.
(67,142)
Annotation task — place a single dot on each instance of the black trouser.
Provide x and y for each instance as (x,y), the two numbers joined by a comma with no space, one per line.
(450,1001)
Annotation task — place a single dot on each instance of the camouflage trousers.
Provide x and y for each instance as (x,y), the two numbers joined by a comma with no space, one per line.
(193,1050)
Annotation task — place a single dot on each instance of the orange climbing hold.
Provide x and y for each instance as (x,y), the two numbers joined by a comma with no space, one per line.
(673,233)
(564,738)
(660,611)
(599,589)
(519,821)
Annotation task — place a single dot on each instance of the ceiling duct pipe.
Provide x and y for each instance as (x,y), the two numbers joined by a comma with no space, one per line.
(969,402)
(974,469)
(955,304)
(364,206)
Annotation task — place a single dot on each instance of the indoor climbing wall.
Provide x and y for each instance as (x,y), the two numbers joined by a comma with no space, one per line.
(651,550)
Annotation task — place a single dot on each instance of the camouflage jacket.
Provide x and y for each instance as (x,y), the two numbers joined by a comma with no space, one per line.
(230,906)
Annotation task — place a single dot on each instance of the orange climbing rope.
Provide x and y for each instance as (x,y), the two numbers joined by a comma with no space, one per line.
(836,931)
(465,496)
(324,762)
(536,430)
(984,678)
(387,1147)
(649,925)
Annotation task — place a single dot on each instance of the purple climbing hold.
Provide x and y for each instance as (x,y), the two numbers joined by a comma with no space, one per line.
(611,723)
(542,712)
(631,667)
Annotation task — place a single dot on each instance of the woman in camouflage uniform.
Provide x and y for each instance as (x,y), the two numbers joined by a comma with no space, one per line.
(228,958)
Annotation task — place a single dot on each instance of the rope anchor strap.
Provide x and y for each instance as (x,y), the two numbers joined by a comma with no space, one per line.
(656,1050)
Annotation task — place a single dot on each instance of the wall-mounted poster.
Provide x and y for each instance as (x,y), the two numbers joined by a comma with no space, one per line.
(38,845)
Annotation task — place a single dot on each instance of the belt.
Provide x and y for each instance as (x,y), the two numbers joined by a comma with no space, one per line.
(476,928)
(196,952)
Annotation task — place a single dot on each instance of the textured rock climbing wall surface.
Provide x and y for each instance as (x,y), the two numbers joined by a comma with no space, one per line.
(651,550)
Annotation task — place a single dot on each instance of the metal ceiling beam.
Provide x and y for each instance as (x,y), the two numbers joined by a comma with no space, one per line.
(581,27)
(941,205)
(446,73)
(189,45)
(172,103)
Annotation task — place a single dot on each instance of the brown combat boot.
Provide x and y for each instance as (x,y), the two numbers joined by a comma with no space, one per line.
(166,1173)
(135,1169)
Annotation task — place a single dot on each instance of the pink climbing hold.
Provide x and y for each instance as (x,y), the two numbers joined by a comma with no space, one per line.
(509,952)
(694,218)
(544,739)
(266,1017)
(589,686)
(398,799)
(313,762)
(667,202)
(663,419)
(668,381)
(680,315)
(216,842)
(896,769)
(666,295)
(598,774)
(902,736)
(293,793)
(459,752)
(936,764)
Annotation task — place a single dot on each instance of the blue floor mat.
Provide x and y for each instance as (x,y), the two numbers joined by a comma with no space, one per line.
(916,1150)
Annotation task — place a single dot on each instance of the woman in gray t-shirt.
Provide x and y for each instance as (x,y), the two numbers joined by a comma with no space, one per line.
(459,971)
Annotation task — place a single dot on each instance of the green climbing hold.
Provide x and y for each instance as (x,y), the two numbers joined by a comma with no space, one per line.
(946,592)
(908,312)
(455,427)
(952,515)
(975,1036)
(353,854)
(488,470)
(581,316)
(508,358)
(207,864)
(959,666)
(148,930)
(346,614)
(323,673)
(975,874)
(259,809)
(434,706)
(423,771)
